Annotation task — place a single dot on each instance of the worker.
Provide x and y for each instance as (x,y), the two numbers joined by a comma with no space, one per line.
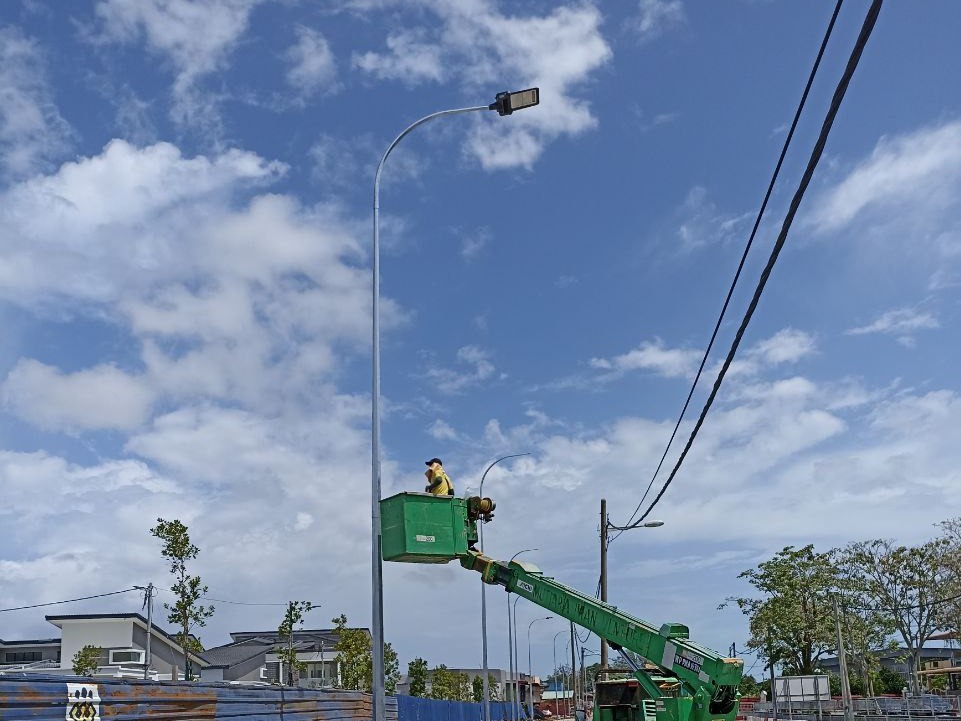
(438,481)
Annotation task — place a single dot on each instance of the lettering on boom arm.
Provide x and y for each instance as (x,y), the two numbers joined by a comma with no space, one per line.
(691,661)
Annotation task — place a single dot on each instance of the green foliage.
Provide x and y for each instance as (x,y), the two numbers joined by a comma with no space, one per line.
(791,623)
(449,685)
(749,687)
(493,689)
(354,657)
(477,689)
(417,675)
(902,582)
(296,610)
(86,660)
(951,610)
(186,613)
(888,681)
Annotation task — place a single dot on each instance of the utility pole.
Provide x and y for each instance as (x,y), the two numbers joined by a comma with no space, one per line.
(603,573)
(843,664)
(148,601)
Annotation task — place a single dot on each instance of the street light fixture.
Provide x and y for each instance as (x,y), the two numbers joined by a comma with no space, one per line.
(505,104)
(486,691)
(512,638)
(530,670)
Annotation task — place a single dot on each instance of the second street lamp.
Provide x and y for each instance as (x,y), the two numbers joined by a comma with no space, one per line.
(512,642)
(486,691)
(505,104)
(530,670)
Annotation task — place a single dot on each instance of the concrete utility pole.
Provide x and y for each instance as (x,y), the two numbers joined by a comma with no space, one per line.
(843,663)
(149,599)
(604,573)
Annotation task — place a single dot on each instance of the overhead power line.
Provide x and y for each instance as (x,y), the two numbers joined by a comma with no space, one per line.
(740,267)
(235,603)
(865,33)
(69,600)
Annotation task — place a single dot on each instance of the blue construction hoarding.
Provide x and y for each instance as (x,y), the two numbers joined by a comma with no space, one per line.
(27,697)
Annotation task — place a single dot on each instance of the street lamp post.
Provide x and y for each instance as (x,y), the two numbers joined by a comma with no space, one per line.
(530,666)
(487,703)
(511,646)
(605,525)
(517,659)
(504,103)
(557,705)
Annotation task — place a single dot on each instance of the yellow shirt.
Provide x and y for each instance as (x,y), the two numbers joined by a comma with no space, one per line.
(441,484)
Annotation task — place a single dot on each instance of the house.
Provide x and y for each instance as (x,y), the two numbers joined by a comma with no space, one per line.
(897,660)
(122,638)
(252,656)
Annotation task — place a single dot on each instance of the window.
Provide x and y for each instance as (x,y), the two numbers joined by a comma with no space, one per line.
(22,656)
(127,655)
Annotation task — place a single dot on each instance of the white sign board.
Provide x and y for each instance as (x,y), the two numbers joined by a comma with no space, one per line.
(802,688)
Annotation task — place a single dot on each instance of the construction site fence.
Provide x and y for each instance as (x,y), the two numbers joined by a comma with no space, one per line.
(888,708)
(412,708)
(47,698)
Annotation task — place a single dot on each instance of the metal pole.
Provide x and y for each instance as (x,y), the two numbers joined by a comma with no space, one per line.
(147,657)
(530,669)
(843,664)
(557,706)
(512,642)
(517,660)
(573,672)
(487,703)
(603,573)
(376,576)
(510,661)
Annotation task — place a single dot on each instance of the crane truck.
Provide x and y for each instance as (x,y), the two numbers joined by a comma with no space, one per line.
(677,680)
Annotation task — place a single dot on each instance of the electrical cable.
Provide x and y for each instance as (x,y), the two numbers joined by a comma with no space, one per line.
(917,607)
(865,33)
(740,267)
(233,603)
(69,600)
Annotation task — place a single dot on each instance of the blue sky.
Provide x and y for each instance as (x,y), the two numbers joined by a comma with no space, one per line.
(185,223)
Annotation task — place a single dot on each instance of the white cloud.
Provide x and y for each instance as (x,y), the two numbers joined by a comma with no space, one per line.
(408,58)
(450,381)
(652,356)
(313,68)
(655,17)
(442,431)
(118,222)
(197,39)
(100,397)
(474,243)
(476,46)
(901,322)
(786,346)
(701,223)
(32,132)
(917,173)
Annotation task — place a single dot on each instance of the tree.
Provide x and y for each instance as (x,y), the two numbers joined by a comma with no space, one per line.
(186,612)
(444,684)
(792,623)
(493,689)
(477,689)
(86,660)
(905,582)
(296,610)
(417,675)
(748,687)
(354,659)
(951,609)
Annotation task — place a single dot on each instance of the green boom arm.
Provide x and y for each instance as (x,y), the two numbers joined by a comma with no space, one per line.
(693,682)
(706,687)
